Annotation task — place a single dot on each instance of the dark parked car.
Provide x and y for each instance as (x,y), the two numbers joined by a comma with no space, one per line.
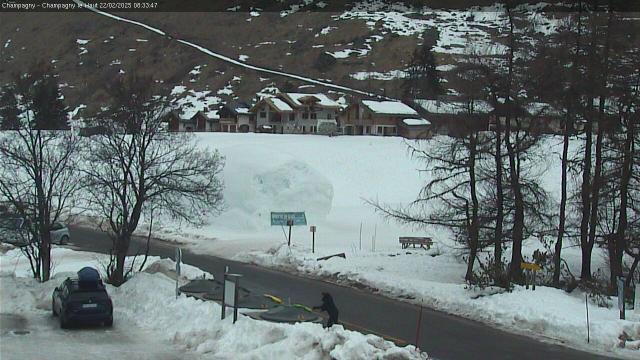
(82,300)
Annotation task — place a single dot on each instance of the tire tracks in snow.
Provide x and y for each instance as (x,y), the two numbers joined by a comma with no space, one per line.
(233,61)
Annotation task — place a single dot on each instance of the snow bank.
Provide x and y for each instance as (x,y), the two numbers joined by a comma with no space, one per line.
(195,325)
(147,301)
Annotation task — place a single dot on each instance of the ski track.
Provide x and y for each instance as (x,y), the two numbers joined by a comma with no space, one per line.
(230,60)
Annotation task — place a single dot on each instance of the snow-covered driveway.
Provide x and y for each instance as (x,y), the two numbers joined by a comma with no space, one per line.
(38,335)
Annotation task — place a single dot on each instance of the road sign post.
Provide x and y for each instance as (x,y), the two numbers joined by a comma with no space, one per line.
(230,294)
(313,238)
(290,219)
(621,296)
(178,261)
(289,224)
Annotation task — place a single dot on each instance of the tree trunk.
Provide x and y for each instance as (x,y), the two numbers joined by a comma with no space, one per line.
(515,272)
(616,250)
(563,204)
(45,254)
(585,196)
(474,230)
(122,247)
(497,238)
(595,189)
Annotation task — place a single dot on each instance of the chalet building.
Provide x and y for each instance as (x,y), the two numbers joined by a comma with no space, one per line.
(271,113)
(546,118)
(373,117)
(296,113)
(191,121)
(536,117)
(236,117)
(454,117)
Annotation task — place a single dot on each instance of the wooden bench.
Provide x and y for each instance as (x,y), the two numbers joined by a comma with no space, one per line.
(423,242)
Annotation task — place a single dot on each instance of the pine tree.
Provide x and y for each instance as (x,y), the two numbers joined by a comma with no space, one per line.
(423,79)
(8,110)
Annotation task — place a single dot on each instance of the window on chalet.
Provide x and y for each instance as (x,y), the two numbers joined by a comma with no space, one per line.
(329,116)
(292,117)
(305,115)
(263,114)
(314,115)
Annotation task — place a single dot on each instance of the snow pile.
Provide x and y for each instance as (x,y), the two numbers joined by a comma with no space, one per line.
(147,304)
(327,177)
(195,325)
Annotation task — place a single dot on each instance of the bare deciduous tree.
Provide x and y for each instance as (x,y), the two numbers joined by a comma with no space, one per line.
(137,166)
(38,171)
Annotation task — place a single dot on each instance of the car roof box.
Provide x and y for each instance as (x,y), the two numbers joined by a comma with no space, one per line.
(88,277)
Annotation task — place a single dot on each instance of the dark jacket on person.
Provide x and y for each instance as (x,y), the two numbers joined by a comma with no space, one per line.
(330,307)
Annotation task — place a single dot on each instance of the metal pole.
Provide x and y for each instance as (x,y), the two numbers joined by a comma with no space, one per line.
(235,300)
(418,326)
(586,304)
(534,280)
(289,244)
(224,282)
(313,242)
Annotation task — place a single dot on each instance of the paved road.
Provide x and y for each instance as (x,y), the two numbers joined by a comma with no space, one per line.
(443,336)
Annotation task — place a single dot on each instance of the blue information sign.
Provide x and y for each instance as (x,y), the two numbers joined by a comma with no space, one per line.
(281,218)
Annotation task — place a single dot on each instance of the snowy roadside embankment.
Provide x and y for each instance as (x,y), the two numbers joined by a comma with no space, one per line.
(147,304)
(435,279)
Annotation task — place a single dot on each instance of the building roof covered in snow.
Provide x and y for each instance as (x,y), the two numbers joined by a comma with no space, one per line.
(302,99)
(389,107)
(235,108)
(416,122)
(278,104)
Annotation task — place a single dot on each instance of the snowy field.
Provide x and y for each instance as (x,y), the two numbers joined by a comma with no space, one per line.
(150,323)
(329,178)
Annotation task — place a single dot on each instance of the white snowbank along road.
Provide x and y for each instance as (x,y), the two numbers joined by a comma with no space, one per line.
(150,323)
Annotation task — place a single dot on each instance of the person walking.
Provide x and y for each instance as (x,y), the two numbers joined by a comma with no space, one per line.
(330,307)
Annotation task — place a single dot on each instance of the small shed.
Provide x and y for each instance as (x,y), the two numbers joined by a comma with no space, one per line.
(415,128)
